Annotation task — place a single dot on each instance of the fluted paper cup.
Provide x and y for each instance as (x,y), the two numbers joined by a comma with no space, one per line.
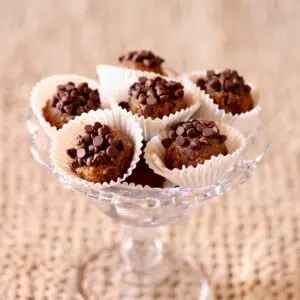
(245,122)
(210,172)
(192,95)
(66,138)
(112,77)
(46,88)
(166,184)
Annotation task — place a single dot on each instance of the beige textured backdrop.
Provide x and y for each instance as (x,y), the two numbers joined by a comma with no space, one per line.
(249,240)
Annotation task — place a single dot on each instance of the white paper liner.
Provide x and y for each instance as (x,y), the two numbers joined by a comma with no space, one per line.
(167,184)
(203,174)
(192,95)
(66,138)
(112,77)
(245,122)
(46,88)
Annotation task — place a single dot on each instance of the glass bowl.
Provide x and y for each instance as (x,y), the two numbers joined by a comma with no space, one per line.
(143,212)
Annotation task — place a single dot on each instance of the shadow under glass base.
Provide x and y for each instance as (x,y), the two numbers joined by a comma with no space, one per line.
(106,276)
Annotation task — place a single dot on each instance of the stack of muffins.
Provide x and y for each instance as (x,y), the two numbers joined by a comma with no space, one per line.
(144,125)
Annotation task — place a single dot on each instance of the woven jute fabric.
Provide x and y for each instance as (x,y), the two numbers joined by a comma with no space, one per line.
(247,241)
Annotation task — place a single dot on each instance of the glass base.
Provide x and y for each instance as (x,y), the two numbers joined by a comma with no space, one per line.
(175,277)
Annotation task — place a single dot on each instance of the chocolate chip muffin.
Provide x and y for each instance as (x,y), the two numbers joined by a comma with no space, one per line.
(102,154)
(69,101)
(155,98)
(142,60)
(143,175)
(191,143)
(228,90)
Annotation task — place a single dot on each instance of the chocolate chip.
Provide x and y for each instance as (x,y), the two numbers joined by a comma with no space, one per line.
(54,101)
(151,101)
(215,85)
(149,83)
(112,151)
(147,62)
(227,73)
(147,58)
(98,141)
(200,127)
(181,141)
(124,105)
(92,149)
(82,85)
(97,125)
(143,98)
(88,128)
(197,132)
(187,125)
(172,134)
(74,93)
(247,88)
(72,152)
(103,131)
(89,161)
(191,132)
(80,162)
(180,130)
(109,136)
(74,164)
(179,93)
(98,159)
(203,140)
(166,143)
(210,73)
(201,83)
(74,101)
(81,152)
(150,93)
(154,91)
(195,145)
(222,138)
(87,138)
(208,131)
(90,104)
(59,105)
(161,91)
(61,87)
(215,129)
(68,109)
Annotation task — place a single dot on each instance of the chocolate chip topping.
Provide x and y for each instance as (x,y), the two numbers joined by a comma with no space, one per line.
(96,147)
(74,100)
(227,81)
(194,133)
(147,58)
(150,92)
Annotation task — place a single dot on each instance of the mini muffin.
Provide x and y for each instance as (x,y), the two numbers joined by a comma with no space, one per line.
(143,175)
(192,143)
(228,90)
(143,61)
(155,97)
(70,100)
(102,153)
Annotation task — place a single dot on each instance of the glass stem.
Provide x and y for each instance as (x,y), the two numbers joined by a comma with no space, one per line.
(142,248)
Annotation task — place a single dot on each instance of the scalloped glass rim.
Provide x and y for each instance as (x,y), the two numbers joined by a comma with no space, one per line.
(255,149)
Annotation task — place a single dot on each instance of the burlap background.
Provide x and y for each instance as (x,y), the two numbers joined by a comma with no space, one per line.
(249,240)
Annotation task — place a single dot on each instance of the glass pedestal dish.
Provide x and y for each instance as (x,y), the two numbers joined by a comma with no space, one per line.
(146,262)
